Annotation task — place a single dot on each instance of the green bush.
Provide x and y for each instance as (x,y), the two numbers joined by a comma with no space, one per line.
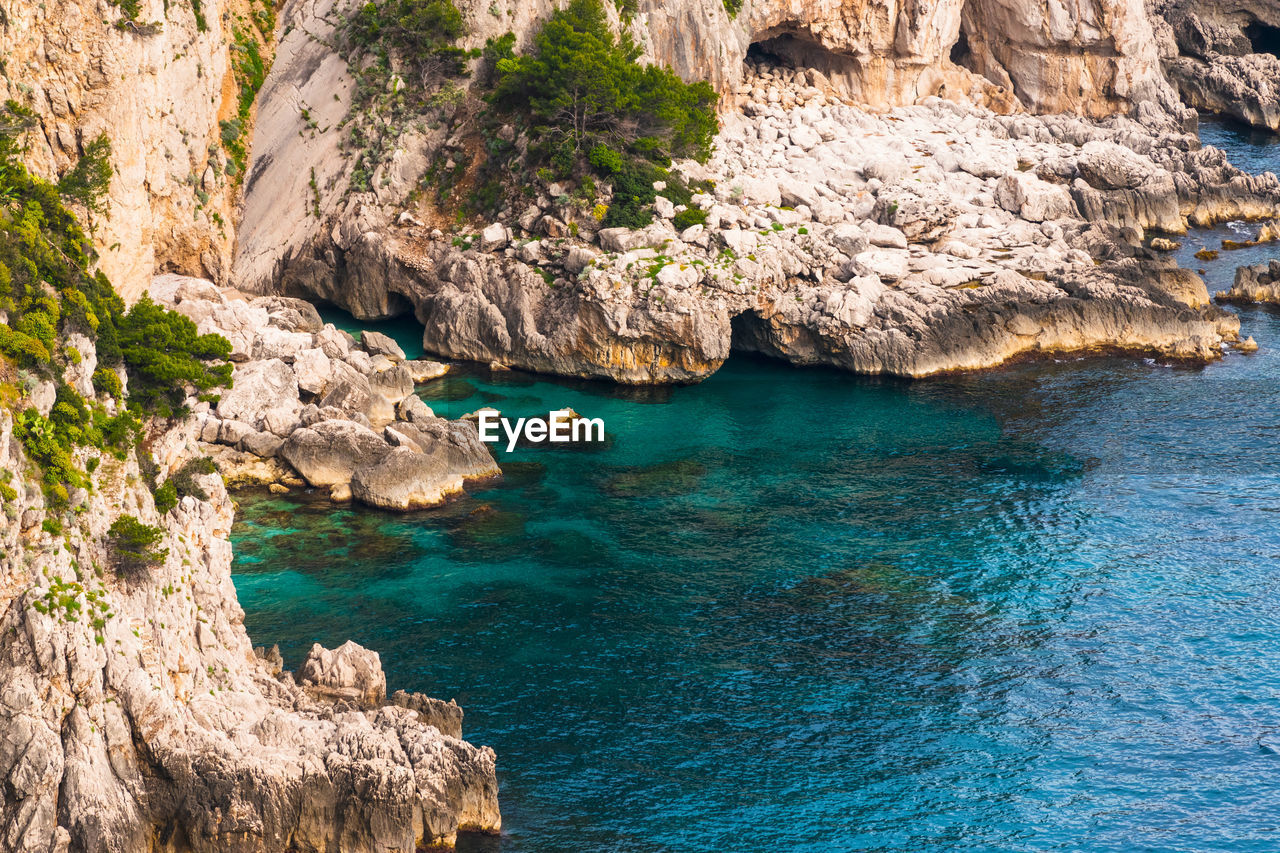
(89,179)
(588,105)
(166,496)
(133,546)
(689,217)
(421,33)
(582,84)
(184,478)
(46,445)
(48,289)
(164,353)
(107,381)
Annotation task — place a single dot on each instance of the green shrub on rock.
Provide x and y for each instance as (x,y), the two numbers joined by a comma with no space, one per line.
(689,217)
(589,105)
(133,546)
(164,353)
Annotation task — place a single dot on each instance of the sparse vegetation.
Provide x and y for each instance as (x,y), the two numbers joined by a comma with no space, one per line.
(133,546)
(48,291)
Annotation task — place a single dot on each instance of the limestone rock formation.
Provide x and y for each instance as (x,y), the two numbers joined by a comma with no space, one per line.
(135,715)
(1256,283)
(157,86)
(1223,57)
(310,405)
(935,237)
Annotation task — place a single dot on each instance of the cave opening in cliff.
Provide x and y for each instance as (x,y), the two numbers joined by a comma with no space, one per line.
(1264,38)
(783,48)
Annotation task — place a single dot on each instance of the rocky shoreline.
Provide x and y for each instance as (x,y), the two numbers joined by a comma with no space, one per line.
(311,406)
(910,241)
(136,716)
(903,192)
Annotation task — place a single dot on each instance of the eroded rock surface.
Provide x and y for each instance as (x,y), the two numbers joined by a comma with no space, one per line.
(1256,283)
(309,405)
(924,239)
(1223,57)
(157,86)
(135,715)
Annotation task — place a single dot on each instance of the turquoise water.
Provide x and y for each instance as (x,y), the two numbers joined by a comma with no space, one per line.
(1031,609)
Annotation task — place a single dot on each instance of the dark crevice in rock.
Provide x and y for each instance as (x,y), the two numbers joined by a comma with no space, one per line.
(961,54)
(1264,38)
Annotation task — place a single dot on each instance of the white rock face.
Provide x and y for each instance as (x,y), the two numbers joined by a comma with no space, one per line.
(152,711)
(349,671)
(159,98)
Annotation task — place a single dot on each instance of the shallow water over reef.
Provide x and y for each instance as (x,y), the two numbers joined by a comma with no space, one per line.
(1029,609)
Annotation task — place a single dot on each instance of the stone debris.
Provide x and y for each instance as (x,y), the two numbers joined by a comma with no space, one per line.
(343,415)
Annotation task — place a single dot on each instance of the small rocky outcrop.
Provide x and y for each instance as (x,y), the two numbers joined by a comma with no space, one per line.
(1253,284)
(349,672)
(309,405)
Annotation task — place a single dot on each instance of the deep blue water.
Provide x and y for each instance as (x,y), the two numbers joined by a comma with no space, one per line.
(1028,609)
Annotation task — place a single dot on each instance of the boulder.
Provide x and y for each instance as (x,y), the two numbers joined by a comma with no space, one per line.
(1108,166)
(312,369)
(334,342)
(263,444)
(347,390)
(577,259)
(494,237)
(376,343)
(292,315)
(1033,199)
(405,479)
(388,388)
(329,452)
(412,408)
(424,371)
(349,671)
(258,387)
(272,342)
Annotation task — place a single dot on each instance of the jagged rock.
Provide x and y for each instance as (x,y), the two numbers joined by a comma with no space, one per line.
(347,389)
(159,718)
(445,716)
(349,671)
(1033,199)
(1257,283)
(312,369)
(329,452)
(291,315)
(376,343)
(258,387)
(413,409)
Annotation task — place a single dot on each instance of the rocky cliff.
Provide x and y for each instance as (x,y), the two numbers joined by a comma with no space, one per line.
(1225,57)
(135,715)
(939,236)
(164,84)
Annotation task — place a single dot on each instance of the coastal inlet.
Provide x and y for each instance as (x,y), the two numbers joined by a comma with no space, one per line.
(798,609)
